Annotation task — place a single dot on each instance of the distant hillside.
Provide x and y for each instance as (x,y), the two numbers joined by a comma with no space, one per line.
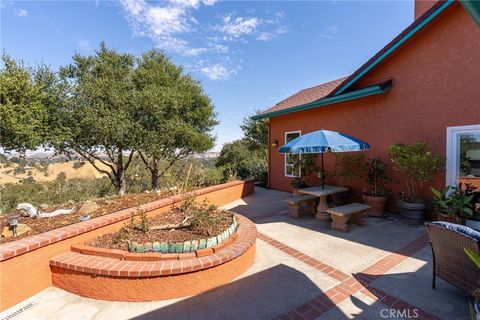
(7,174)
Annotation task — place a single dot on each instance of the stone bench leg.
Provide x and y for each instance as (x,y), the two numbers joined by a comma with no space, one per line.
(312,206)
(294,210)
(339,222)
(357,217)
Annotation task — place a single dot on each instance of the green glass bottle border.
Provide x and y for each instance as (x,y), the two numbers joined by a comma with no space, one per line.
(186,246)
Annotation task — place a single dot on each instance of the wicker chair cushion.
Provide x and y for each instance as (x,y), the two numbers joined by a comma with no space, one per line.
(460,229)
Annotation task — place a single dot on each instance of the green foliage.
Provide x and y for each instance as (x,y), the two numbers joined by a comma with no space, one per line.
(174,115)
(120,236)
(474,256)
(418,163)
(78,164)
(98,111)
(58,191)
(202,214)
(349,167)
(255,133)
(19,170)
(22,113)
(143,225)
(237,160)
(304,165)
(377,177)
(213,176)
(458,203)
(62,176)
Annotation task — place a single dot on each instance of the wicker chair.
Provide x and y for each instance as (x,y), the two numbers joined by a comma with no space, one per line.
(450,262)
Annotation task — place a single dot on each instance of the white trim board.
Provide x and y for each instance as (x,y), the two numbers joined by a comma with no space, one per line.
(452,147)
(285,156)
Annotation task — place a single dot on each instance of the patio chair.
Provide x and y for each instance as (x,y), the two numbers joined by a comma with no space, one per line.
(450,262)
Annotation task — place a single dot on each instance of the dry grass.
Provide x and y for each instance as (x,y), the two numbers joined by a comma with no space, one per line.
(86,171)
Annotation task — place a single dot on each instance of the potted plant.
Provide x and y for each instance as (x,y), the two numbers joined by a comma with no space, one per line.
(453,204)
(419,164)
(349,168)
(376,197)
(303,166)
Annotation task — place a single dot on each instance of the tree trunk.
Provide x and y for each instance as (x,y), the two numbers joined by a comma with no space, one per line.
(120,180)
(154,177)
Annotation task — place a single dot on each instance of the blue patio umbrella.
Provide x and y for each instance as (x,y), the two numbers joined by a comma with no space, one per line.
(321,141)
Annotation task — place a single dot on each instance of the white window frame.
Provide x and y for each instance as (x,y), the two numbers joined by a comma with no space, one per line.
(452,147)
(285,162)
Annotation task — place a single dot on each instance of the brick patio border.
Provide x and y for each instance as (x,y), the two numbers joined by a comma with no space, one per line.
(107,262)
(35,252)
(351,284)
(15,248)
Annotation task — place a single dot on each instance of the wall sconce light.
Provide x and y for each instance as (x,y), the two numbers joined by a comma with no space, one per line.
(274,143)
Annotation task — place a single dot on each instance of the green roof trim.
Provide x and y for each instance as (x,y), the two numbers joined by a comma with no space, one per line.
(473,9)
(395,46)
(365,92)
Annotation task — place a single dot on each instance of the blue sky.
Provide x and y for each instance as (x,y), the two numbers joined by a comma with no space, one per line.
(247,54)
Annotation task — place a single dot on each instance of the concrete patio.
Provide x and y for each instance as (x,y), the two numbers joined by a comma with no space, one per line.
(302,270)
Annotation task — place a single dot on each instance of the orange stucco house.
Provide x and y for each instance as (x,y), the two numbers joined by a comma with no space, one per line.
(422,86)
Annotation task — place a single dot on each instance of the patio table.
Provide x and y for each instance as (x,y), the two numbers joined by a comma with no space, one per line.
(322,193)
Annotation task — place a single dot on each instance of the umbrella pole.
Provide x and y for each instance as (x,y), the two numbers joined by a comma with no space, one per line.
(323,175)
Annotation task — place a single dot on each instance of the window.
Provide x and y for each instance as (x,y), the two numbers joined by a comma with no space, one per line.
(290,158)
(463,155)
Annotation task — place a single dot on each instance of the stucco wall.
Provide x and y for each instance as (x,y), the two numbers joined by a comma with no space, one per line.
(436,85)
(28,273)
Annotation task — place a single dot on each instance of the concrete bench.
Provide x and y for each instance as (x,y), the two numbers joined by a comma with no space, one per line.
(353,211)
(295,203)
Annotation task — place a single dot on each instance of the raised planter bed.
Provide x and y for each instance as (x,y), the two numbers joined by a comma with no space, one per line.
(35,252)
(103,207)
(111,274)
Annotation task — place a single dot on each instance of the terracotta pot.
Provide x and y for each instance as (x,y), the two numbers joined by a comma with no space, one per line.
(412,212)
(377,204)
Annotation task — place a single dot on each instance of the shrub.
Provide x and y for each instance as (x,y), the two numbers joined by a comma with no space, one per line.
(202,214)
(19,170)
(78,164)
(377,177)
(418,163)
(53,192)
(349,168)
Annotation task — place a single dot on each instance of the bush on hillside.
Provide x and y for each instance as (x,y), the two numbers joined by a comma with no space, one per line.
(58,191)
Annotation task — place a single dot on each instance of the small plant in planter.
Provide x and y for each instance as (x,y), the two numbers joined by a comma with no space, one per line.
(455,206)
(303,166)
(419,164)
(376,197)
(349,168)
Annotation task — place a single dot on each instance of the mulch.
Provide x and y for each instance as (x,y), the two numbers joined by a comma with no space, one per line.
(118,240)
(106,206)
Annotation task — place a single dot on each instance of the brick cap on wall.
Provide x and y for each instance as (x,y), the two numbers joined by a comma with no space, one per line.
(15,248)
(116,267)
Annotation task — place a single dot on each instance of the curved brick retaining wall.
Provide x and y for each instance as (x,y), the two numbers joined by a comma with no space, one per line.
(155,276)
(24,264)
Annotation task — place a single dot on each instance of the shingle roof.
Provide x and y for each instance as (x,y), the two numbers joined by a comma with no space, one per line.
(306,95)
(341,85)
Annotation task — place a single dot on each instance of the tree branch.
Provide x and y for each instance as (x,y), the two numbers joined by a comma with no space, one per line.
(86,155)
(172,162)
(91,154)
(129,161)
